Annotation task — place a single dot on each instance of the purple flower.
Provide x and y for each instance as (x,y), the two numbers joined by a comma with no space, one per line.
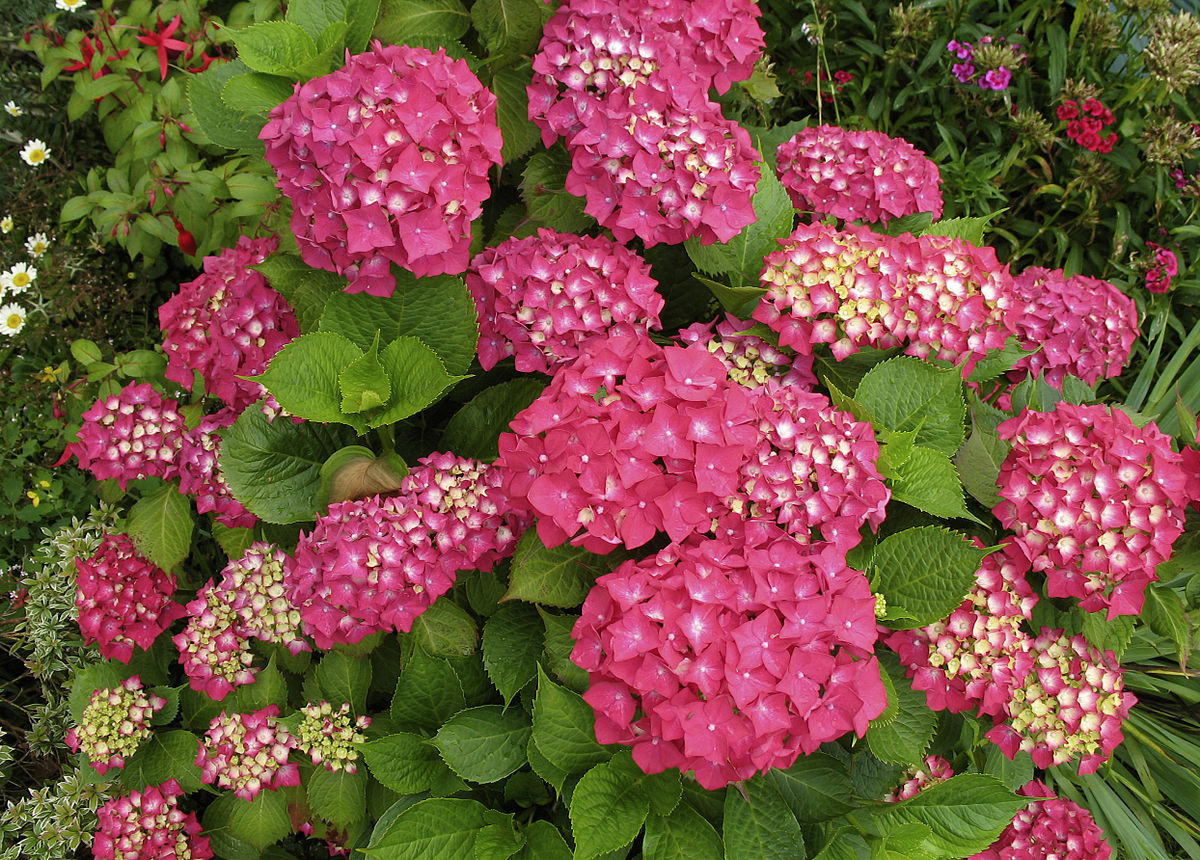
(996,79)
(963,71)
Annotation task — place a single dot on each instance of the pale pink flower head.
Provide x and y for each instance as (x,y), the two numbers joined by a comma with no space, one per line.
(124,600)
(539,297)
(858,174)
(114,724)
(330,737)
(149,825)
(386,161)
(933,769)
(1094,501)
(1049,827)
(227,323)
(135,433)
(247,753)
(200,474)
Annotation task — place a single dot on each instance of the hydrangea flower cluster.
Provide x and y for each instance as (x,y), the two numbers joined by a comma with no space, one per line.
(250,602)
(378,563)
(115,722)
(539,297)
(331,737)
(653,157)
(1094,501)
(727,660)
(749,360)
(247,753)
(149,825)
(718,41)
(934,769)
(1053,827)
(1086,123)
(1164,266)
(633,438)
(200,472)
(123,599)
(227,323)
(135,433)
(858,174)
(385,161)
(1070,706)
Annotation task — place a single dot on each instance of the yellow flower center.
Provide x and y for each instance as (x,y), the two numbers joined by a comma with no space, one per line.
(14,320)
(21,279)
(36,156)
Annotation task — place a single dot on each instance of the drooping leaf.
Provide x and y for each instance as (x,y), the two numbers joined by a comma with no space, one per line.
(759,825)
(428,693)
(260,822)
(401,19)
(605,815)
(923,573)
(160,524)
(434,828)
(905,738)
(508,26)
(343,678)
(979,460)
(1165,613)
(337,796)
(304,376)
(685,834)
(446,630)
(404,762)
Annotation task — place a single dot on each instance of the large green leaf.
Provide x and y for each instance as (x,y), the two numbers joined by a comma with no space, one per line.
(446,630)
(404,762)
(161,524)
(344,678)
(307,290)
(305,376)
(563,728)
(484,744)
(316,16)
(543,842)
(428,693)
(418,377)
(928,481)
(473,430)
(905,393)
(545,195)
(165,755)
(216,120)
(508,26)
(434,829)
(923,573)
(256,93)
(512,100)
(259,822)
(512,643)
(905,737)
(758,824)
(274,47)
(337,796)
(402,19)
(816,788)
(683,835)
(979,460)
(605,815)
(557,576)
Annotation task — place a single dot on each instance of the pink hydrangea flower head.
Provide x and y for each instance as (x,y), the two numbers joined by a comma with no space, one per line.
(1049,827)
(933,770)
(227,323)
(378,563)
(330,737)
(124,600)
(1070,706)
(135,433)
(115,722)
(385,161)
(728,658)
(858,174)
(749,359)
(540,296)
(200,473)
(717,40)
(1095,501)
(1081,326)
(979,654)
(247,753)
(1163,267)
(149,825)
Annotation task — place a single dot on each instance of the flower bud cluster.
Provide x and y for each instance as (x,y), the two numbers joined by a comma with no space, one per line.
(933,770)
(749,359)
(385,161)
(331,737)
(1053,827)
(135,433)
(376,564)
(149,825)
(200,473)
(1163,266)
(123,599)
(1095,501)
(539,297)
(227,323)
(247,753)
(858,174)
(115,722)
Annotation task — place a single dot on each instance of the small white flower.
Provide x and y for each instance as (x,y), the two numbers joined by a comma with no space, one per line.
(6,224)
(12,108)
(12,319)
(18,279)
(34,153)
(70,5)
(37,244)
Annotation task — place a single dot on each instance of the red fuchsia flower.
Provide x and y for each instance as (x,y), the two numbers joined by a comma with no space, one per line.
(749,360)
(1094,501)
(728,658)
(200,473)
(1164,267)
(331,737)
(148,825)
(89,48)
(933,770)
(1086,123)
(123,599)
(162,42)
(247,753)
(376,564)
(1053,827)
(115,722)
(386,161)
(539,297)
(974,658)
(135,433)
(858,174)
(1070,706)
(227,323)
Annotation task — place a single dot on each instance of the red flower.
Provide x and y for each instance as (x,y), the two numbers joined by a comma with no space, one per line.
(162,42)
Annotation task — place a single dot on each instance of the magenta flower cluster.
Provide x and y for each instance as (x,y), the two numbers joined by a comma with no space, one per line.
(933,769)
(378,563)
(247,753)
(858,174)
(200,474)
(227,323)
(124,600)
(539,297)
(135,433)
(1163,267)
(996,78)
(1095,502)
(749,359)
(727,658)
(385,161)
(149,825)
(115,722)
(1049,827)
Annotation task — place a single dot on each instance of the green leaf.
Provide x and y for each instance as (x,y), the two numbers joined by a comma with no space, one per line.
(274,469)
(260,822)
(1108,635)
(559,576)
(256,93)
(816,788)
(905,738)
(85,351)
(141,363)
(979,460)
(274,47)
(269,688)
(682,835)
(473,430)
(165,755)
(337,796)
(508,26)
(543,842)
(498,842)
(905,393)
(343,678)
(741,258)
(316,16)
(428,692)
(739,301)
(928,481)
(221,124)
(364,384)
(923,573)
(418,379)
(1014,773)
(484,744)
(545,195)
(161,524)
(233,541)
(307,290)
(512,643)
(404,18)
(446,630)
(304,375)
(844,844)
(559,645)
(759,825)
(509,85)
(999,361)
(967,229)
(403,762)
(563,728)
(434,829)
(605,815)
(1165,613)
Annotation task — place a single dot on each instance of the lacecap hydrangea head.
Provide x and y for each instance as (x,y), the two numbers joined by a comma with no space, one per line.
(115,722)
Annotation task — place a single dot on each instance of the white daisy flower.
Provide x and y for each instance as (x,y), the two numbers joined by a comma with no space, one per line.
(12,319)
(37,244)
(12,108)
(18,279)
(34,153)
(70,5)
(6,224)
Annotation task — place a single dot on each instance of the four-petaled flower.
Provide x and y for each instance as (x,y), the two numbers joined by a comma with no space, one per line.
(162,42)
